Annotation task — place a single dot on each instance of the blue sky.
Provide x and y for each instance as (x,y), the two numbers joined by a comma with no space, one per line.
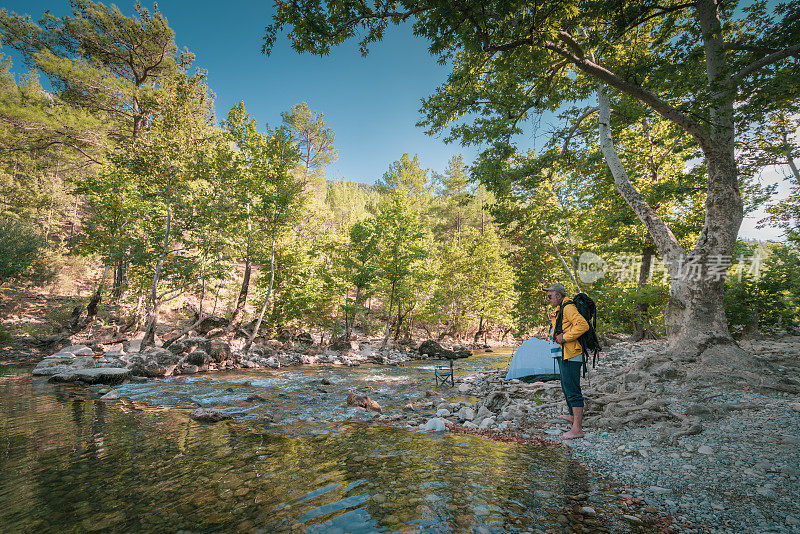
(371,103)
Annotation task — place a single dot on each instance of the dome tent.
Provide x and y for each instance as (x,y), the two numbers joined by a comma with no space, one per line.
(535,361)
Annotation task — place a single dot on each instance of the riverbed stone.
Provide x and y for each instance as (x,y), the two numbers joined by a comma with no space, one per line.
(188,369)
(466,413)
(218,350)
(483,412)
(153,363)
(360,400)
(53,365)
(435,424)
(84,362)
(198,358)
(111,395)
(99,375)
(78,350)
(487,423)
(209,415)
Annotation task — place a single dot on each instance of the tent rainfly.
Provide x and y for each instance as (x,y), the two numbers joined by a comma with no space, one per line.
(535,361)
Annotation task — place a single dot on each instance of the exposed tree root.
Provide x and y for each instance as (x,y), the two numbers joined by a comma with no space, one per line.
(636,395)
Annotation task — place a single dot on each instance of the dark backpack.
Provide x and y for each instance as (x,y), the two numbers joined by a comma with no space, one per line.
(588,339)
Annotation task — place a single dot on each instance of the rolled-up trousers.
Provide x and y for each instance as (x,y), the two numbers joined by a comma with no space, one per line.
(571,381)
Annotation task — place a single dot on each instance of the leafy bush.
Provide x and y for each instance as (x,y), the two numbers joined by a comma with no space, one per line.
(21,245)
(619,307)
(763,293)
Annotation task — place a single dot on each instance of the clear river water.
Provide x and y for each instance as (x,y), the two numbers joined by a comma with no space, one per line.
(294,458)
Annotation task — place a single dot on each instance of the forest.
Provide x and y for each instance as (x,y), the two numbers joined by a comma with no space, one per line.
(121,178)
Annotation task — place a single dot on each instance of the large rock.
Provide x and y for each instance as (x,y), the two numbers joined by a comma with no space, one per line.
(198,358)
(188,369)
(209,415)
(177,347)
(111,395)
(218,350)
(284,336)
(78,350)
(341,345)
(53,365)
(436,424)
(305,338)
(84,362)
(211,322)
(100,375)
(153,363)
(466,413)
(354,398)
(432,349)
(496,401)
(107,361)
(429,348)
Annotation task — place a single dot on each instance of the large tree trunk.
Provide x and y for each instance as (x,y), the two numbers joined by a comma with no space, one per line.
(695,318)
(120,279)
(150,330)
(244,290)
(238,312)
(352,321)
(269,289)
(94,302)
(388,318)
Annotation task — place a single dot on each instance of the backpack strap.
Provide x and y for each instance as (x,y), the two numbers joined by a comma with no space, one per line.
(559,328)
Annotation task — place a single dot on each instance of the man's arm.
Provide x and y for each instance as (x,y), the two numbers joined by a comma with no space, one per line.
(577,324)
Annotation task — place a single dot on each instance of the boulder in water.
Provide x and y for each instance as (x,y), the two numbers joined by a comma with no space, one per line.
(354,398)
(209,415)
(153,363)
(100,375)
(53,365)
(111,395)
(429,348)
(432,349)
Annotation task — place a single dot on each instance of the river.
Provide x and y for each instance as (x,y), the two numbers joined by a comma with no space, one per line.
(294,458)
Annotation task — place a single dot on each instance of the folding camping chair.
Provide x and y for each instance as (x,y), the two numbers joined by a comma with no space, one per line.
(443,373)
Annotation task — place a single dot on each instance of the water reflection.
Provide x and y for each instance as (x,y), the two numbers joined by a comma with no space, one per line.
(71,463)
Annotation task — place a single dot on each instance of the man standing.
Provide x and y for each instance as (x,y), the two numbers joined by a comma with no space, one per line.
(568,325)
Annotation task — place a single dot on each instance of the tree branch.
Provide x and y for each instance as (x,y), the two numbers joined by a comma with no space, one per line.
(577,125)
(668,246)
(764,61)
(660,106)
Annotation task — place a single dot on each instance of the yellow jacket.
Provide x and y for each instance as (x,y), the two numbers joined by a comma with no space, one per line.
(573,325)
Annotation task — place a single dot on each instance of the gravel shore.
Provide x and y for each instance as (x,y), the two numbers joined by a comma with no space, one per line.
(741,473)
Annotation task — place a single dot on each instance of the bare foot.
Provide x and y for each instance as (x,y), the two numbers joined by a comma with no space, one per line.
(572,434)
(565,417)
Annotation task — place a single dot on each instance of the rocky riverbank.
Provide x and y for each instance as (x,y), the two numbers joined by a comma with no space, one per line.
(692,454)
(114,362)
(736,471)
